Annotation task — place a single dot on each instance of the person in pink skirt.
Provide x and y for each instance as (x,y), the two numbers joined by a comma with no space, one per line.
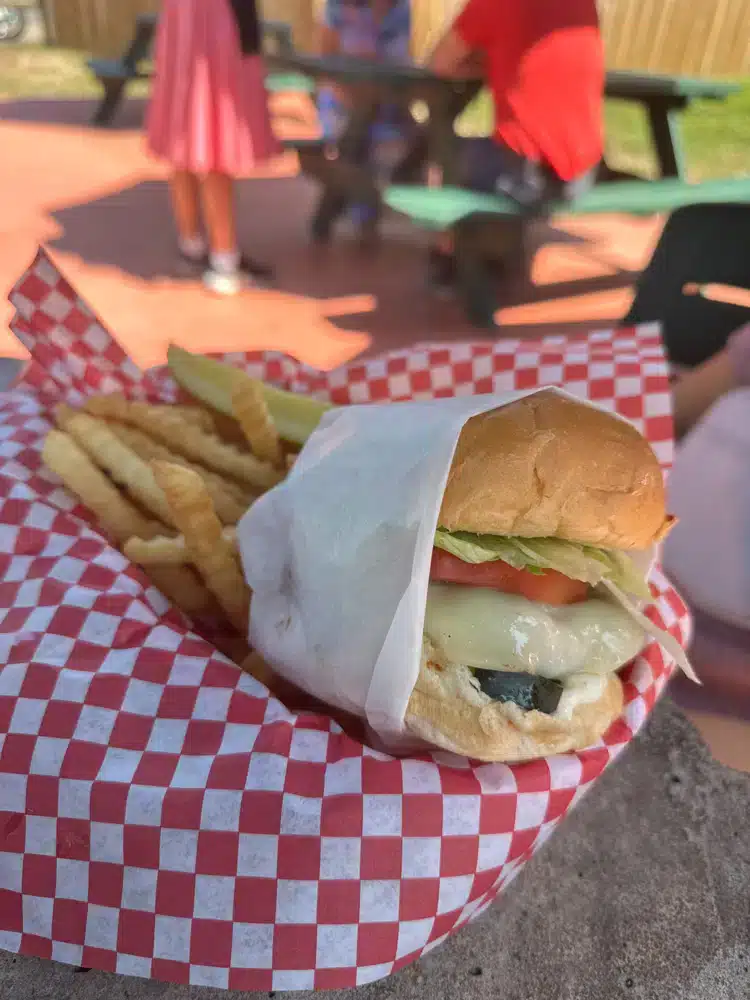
(209,119)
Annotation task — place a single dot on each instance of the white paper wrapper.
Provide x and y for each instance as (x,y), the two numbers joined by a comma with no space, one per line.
(338,556)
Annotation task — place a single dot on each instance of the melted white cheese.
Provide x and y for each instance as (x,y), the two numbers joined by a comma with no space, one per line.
(579,689)
(484,628)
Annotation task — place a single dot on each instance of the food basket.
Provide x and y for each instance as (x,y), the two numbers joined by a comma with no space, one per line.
(160,814)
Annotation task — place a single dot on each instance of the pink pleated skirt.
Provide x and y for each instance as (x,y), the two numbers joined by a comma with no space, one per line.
(209,107)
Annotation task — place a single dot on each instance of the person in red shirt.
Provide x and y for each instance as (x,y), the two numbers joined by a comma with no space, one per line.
(543,61)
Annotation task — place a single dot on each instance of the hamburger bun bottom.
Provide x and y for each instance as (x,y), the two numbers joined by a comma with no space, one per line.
(446,710)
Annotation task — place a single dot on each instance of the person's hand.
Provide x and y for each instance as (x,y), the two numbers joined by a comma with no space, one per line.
(696,390)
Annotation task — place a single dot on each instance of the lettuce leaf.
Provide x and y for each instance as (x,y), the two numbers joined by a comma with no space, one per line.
(580,562)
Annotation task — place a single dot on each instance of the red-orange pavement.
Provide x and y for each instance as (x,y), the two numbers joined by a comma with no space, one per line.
(100,204)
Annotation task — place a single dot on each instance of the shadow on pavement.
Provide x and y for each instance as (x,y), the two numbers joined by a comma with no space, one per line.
(71,112)
(131,230)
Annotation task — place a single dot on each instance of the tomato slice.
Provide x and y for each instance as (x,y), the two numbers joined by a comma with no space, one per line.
(549,587)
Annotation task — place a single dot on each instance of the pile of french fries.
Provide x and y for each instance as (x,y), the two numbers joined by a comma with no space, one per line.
(169,483)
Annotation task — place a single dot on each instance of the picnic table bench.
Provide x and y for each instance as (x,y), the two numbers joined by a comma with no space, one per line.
(115,74)
(487,228)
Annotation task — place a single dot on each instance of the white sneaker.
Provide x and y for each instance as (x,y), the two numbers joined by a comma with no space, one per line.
(225,284)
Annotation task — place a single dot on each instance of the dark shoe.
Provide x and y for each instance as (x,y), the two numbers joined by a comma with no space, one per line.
(256,269)
(441,272)
(330,208)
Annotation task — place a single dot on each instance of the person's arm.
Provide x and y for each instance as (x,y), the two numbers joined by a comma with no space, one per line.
(461,50)
(329,43)
(451,55)
(328,37)
(697,390)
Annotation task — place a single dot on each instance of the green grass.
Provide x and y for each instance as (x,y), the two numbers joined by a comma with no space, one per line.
(716,137)
(716,133)
(36,71)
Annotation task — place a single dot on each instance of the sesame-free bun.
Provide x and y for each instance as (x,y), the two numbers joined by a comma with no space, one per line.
(548,466)
(446,710)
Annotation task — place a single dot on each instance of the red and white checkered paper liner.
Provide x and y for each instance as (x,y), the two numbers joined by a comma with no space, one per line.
(161,815)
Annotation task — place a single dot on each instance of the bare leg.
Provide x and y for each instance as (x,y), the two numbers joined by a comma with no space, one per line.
(219,214)
(218,211)
(184,189)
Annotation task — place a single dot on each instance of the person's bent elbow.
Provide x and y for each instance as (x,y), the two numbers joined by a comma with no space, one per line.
(450,56)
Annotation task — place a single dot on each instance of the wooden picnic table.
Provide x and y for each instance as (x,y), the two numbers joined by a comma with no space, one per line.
(662,97)
(372,83)
(347,176)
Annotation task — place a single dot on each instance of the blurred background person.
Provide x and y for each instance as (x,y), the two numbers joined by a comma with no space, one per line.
(707,553)
(209,119)
(543,61)
(371,29)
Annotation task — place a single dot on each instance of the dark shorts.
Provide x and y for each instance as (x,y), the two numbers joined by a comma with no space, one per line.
(492,168)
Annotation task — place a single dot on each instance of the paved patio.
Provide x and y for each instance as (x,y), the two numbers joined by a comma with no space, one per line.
(101,205)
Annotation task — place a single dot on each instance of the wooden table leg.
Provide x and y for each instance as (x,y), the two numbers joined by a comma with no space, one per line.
(475,272)
(347,177)
(665,131)
(342,182)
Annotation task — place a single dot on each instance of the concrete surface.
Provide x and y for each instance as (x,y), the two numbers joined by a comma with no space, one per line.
(644,894)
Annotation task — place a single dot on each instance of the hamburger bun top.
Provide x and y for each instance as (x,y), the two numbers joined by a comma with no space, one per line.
(547,466)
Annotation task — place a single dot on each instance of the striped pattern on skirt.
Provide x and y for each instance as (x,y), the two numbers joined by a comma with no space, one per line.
(209,107)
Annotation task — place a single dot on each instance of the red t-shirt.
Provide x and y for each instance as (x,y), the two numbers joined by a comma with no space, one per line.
(545,67)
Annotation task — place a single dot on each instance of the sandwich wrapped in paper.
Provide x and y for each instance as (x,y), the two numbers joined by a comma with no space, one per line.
(468,571)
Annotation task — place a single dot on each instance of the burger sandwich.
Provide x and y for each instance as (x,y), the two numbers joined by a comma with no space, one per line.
(546,531)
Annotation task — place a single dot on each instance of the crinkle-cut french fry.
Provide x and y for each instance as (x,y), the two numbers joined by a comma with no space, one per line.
(230,498)
(164,551)
(120,518)
(113,456)
(213,556)
(183,588)
(208,449)
(252,414)
(151,450)
(195,415)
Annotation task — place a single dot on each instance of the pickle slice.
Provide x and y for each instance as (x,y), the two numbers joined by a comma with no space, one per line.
(528,691)
(295,416)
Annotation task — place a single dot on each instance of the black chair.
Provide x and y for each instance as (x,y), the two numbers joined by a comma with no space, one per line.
(701,244)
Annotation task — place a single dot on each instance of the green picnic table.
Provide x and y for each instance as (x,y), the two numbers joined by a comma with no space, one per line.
(664,98)
(487,226)
(347,175)
(343,172)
